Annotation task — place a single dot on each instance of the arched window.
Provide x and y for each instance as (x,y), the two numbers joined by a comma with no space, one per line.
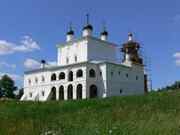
(43,93)
(79,91)
(70,76)
(92,73)
(53,93)
(79,73)
(61,76)
(29,81)
(75,58)
(67,60)
(93,93)
(43,79)
(36,80)
(30,94)
(70,92)
(61,92)
(53,77)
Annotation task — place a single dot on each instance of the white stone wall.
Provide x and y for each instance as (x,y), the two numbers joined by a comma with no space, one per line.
(86,49)
(76,49)
(47,85)
(109,80)
(101,50)
(119,81)
(99,80)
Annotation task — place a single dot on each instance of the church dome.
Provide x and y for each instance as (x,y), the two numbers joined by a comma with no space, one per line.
(70,32)
(88,26)
(104,33)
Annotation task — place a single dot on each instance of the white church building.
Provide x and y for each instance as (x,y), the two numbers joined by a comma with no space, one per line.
(88,68)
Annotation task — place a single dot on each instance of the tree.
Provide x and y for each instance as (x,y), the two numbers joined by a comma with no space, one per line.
(7,87)
(0,92)
(20,93)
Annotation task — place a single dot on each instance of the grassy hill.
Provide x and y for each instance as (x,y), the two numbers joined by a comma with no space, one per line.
(157,113)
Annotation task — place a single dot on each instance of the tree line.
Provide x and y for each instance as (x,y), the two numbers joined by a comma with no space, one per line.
(174,86)
(8,88)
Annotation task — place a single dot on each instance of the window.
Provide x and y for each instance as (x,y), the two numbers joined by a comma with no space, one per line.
(67,60)
(75,58)
(30,94)
(127,75)
(137,77)
(29,81)
(53,77)
(70,76)
(112,73)
(92,73)
(43,93)
(61,76)
(120,91)
(100,73)
(43,79)
(119,73)
(79,73)
(36,80)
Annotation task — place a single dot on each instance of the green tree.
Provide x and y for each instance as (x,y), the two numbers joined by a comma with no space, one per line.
(0,92)
(20,93)
(7,86)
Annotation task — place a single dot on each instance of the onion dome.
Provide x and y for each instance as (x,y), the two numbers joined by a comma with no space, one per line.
(88,26)
(105,33)
(70,32)
(43,61)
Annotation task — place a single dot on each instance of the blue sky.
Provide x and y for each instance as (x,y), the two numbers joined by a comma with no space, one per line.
(31,29)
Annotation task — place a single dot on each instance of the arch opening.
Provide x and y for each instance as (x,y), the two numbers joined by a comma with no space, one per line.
(61,92)
(70,76)
(79,73)
(93,92)
(61,76)
(53,77)
(53,93)
(70,92)
(79,91)
(92,73)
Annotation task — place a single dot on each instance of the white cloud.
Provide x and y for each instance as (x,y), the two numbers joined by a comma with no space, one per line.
(31,63)
(177,55)
(34,64)
(6,47)
(177,62)
(13,76)
(27,44)
(7,65)
(177,58)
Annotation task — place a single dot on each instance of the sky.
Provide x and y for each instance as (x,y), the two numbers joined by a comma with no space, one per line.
(31,29)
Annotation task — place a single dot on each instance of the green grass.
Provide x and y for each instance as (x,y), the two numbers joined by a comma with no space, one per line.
(157,113)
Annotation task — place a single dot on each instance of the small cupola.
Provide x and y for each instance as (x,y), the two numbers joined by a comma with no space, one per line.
(88,28)
(130,36)
(43,63)
(104,34)
(70,34)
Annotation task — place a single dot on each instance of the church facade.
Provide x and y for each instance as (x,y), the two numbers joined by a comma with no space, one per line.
(88,68)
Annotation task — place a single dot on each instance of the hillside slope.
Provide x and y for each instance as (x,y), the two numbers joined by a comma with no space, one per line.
(157,113)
